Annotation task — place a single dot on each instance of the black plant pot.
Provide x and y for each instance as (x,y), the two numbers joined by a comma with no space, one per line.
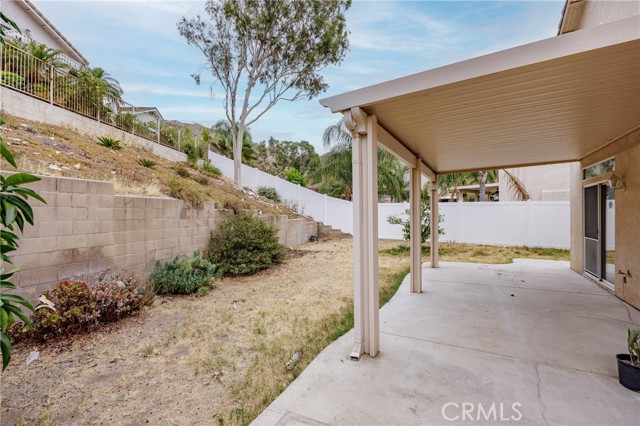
(628,374)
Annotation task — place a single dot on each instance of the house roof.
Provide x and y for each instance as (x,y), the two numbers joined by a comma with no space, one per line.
(39,17)
(551,101)
(144,110)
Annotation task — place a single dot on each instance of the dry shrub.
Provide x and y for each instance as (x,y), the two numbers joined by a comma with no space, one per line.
(186,192)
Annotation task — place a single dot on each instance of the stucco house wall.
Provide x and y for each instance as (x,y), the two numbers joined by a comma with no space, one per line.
(626,151)
(544,183)
(598,12)
(38,28)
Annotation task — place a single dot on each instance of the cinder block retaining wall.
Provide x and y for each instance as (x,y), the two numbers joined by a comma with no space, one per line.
(84,229)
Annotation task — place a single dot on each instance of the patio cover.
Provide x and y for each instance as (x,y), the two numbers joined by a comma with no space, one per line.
(555,100)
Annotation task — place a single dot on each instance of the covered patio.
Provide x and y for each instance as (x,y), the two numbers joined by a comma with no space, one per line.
(532,339)
(532,342)
(552,101)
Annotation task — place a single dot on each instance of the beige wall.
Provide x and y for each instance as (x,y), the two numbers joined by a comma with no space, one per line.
(544,183)
(598,12)
(626,151)
(84,229)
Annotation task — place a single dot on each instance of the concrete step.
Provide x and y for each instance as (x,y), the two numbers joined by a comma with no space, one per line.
(327,231)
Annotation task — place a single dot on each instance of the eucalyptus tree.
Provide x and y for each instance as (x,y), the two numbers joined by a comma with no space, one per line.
(276,156)
(264,51)
(335,171)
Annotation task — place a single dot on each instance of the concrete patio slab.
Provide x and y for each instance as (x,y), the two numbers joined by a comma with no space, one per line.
(529,343)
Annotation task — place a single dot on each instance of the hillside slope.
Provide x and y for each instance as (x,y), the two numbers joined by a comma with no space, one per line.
(56,151)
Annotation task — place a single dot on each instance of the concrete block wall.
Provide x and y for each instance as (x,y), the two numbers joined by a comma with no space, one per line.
(85,229)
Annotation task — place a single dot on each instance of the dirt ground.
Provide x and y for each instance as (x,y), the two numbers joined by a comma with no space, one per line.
(190,360)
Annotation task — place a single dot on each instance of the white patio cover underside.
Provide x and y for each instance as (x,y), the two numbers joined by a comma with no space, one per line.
(551,101)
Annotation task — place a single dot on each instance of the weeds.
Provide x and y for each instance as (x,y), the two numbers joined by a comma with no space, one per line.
(109,143)
(147,163)
(210,170)
(202,180)
(269,192)
(181,171)
(186,192)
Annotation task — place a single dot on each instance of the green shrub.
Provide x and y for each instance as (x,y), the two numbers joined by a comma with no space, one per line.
(243,245)
(126,121)
(294,176)
(181,171)
(109,143)
(11,79)
(192,151)
(186,192)
(147,163)
(269,192)
(14,210)
(425,223)
(209,169)
(183,276)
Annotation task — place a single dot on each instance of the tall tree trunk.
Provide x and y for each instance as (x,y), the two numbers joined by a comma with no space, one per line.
(237,157)
(482,181)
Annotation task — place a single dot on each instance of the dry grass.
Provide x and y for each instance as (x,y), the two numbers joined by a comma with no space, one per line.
(151,189)
(215,359)
(56,151)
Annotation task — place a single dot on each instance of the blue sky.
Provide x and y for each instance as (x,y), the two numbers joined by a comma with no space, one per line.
(137,43)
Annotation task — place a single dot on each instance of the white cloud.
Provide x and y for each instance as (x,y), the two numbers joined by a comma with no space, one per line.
(155,89)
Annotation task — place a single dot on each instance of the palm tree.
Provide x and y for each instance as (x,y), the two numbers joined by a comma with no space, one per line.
(34,66)
(335,172)
(102,91)
(451,182)
(104,83)
(46,55)
(223,141)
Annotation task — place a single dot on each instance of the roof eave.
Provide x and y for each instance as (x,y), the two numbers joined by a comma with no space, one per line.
(540,51)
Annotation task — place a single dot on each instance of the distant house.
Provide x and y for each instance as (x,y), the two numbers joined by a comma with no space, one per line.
(35,26)
(144,114)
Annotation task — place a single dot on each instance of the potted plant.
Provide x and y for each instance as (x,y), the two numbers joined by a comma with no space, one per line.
(629,364)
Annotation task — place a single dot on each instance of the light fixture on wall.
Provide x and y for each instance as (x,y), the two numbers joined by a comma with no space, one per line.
(615,182)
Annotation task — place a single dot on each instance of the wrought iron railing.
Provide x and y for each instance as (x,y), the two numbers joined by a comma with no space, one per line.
(67,89)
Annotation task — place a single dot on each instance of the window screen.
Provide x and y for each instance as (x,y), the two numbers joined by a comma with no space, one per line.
(591,212)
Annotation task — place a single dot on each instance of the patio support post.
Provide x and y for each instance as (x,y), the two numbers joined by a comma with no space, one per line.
(415,210)
(434,222)
(365,231)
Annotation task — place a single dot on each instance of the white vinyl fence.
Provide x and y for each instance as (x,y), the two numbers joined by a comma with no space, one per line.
(531,223)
